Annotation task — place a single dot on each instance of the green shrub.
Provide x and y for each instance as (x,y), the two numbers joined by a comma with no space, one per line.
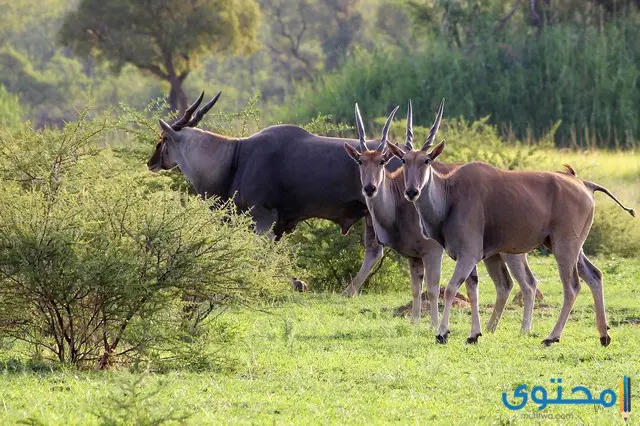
(476,141)
(614,232)
(100,263)
(134,401)
(328,261)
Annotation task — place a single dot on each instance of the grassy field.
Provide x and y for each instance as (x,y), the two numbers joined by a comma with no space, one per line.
(322,359)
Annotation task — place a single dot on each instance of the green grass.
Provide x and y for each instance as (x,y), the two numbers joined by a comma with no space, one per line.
(321,359)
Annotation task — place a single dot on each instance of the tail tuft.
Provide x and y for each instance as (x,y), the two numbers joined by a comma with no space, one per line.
(570,169)
(632,212)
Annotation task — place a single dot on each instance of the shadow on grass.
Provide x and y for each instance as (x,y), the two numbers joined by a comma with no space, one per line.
(339,336)
(19,366)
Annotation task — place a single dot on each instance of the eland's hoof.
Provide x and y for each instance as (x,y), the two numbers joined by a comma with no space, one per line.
(549,342)
(473,340)
(442,338)
(605,341)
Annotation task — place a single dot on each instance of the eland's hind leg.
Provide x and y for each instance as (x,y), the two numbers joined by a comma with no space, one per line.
(432,262)
(519,267)
(567,260)
(502,280)
(593,277)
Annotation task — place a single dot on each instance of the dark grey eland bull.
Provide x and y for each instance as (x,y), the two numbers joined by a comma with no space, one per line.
(397,225)
(280,175)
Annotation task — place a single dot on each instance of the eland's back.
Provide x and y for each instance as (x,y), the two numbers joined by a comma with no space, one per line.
(301,175)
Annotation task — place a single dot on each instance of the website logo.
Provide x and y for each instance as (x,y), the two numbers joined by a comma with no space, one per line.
(625,397)
(579,395)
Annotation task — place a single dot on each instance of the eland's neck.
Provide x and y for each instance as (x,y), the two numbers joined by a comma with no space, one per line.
(432,204)
(383,206)
(207,162)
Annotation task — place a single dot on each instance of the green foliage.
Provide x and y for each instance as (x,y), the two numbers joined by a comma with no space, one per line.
(11,112)
(322,125)
(328,261)
(132,403)
(98,261)
(163,37)
(614,232)
(24,79)
(312,35)
(584,77)
(476,141)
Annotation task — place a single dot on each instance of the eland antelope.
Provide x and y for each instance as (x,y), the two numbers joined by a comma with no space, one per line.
(281,175)
(397,225)
(477,210)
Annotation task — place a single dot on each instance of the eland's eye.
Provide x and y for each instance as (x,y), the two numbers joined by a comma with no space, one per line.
(359,162)
(382,163)
(403,162)
(427,161)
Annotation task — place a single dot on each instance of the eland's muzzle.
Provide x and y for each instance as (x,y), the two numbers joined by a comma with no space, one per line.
(411,194)
(369,190)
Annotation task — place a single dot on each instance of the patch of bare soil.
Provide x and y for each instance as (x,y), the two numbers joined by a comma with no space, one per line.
(517,299)
(632,320)
(460,301)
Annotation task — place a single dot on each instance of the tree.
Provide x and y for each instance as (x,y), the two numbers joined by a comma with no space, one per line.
(307,36)
(161,37)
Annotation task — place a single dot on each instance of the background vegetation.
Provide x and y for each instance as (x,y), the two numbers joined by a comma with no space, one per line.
(527,65)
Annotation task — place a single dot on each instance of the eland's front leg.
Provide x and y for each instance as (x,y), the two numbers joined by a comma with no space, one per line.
(264,220)
(373,252)
(416,269)
(464,267)
(432,262)
(472,291)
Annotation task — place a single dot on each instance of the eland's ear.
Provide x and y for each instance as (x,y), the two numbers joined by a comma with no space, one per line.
(395,150)
(353,153)
(169,131)
(437,151)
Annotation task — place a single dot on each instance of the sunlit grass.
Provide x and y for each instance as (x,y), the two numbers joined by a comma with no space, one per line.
(323,359)
(609,165)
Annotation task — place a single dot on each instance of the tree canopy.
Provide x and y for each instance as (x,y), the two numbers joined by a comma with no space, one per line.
(161,37)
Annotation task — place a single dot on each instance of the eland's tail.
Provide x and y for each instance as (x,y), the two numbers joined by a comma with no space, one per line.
(595,187)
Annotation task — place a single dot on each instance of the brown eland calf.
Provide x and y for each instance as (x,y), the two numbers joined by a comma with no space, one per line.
(397,225)
(299,285)
(477,210)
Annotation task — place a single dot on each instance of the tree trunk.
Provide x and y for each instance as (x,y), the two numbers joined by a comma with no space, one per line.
(177,97)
